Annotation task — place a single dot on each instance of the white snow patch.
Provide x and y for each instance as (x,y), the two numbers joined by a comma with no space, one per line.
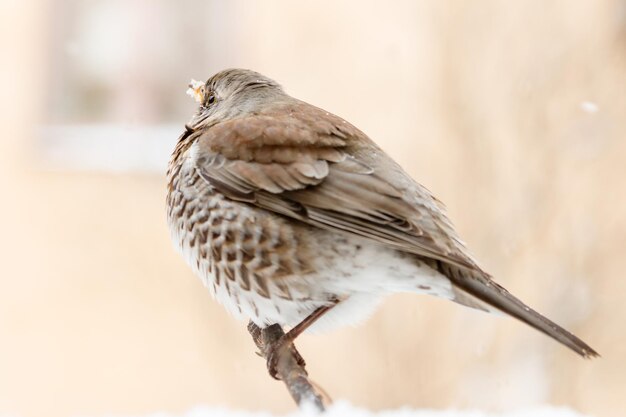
(344,409)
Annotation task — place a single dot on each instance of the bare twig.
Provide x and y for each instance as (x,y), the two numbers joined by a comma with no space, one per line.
(289,367)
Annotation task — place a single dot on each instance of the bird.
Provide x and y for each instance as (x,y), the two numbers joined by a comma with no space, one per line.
(292,216)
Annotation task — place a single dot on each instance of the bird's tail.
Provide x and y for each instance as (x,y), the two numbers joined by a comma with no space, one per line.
(477,287)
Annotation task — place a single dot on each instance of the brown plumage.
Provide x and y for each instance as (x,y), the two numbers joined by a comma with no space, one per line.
(283,208)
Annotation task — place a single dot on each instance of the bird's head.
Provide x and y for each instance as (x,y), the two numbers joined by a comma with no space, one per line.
(231,94)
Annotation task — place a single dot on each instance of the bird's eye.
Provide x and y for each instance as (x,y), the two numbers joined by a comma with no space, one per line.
(211,99)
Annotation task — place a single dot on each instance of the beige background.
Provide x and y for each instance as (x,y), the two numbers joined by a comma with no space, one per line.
(480,101)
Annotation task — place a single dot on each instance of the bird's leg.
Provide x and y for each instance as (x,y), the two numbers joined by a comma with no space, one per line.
(275,350)
(289,366)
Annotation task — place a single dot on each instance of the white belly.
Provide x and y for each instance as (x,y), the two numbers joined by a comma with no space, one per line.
(352,270)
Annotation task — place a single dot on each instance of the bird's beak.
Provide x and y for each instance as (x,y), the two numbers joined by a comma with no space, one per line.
(196,90)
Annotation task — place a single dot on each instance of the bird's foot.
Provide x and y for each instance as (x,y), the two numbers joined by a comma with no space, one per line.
(278,350)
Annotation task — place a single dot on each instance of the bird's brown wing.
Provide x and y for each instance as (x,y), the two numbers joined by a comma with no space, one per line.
(312,166)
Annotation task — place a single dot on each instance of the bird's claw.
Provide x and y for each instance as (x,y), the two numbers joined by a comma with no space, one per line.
(276,351)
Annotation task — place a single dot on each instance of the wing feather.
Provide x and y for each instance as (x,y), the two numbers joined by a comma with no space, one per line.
(325,172)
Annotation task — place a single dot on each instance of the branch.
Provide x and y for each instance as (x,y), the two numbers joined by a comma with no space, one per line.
(289,367)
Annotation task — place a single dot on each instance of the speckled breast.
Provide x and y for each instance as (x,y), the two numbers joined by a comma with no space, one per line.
(240,252)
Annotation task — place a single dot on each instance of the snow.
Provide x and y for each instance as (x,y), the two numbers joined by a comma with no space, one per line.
(344,409)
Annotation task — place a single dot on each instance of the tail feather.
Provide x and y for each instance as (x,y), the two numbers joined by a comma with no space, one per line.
(479,285)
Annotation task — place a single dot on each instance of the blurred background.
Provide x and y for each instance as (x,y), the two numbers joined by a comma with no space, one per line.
(512,113)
